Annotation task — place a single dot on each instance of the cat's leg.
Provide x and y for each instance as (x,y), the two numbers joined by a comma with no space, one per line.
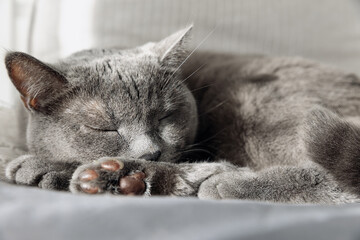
(140,177)
(30,170)
(334,143)
(277,184)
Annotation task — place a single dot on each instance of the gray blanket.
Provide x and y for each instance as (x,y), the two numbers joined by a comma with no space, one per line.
(30,213)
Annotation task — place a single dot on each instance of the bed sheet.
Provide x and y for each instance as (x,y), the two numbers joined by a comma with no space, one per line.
(31,213)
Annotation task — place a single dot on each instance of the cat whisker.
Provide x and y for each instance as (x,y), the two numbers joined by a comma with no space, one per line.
(198,150)
(211,148)
(213,108)
(197,89)
(193,73)
(213,136)
(192,145)
(177,100)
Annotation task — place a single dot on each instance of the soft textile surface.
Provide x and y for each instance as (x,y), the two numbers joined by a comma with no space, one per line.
(28,213)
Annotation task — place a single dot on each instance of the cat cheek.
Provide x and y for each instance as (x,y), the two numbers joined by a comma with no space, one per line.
(171,135)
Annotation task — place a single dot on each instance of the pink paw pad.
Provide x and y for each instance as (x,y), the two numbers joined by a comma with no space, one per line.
(133,184)
(128,185)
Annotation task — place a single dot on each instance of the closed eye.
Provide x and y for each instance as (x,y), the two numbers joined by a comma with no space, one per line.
(100,129)
(165,117)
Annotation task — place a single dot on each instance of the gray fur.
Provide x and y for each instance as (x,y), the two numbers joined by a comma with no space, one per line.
(247,127)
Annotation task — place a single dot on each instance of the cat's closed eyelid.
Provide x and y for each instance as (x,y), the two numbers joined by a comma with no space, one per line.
(165,116)
(99,129)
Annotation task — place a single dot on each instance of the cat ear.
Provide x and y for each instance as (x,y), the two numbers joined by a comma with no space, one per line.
(38,84)
(172,50)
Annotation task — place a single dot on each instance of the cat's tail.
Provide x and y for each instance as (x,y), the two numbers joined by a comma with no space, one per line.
(334,143)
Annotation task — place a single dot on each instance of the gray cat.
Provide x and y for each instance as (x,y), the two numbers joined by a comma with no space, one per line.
(151,121)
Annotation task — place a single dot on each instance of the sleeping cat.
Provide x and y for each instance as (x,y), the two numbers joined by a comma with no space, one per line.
(154,120)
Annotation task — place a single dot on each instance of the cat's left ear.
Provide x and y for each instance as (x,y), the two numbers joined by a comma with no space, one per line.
(39,84)
(172,50)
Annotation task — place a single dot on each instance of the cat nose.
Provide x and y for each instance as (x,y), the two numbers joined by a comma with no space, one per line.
(151,156)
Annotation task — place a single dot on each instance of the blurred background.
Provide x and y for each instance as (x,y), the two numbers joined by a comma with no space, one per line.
(324,30)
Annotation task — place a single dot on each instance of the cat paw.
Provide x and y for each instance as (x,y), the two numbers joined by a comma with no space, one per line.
(211,188)
(110,175)
(228,185)
(14,166)
(27,170)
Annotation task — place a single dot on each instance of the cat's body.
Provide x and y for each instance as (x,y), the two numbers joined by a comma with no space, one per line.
(273,129)
(268,114)
(255,108)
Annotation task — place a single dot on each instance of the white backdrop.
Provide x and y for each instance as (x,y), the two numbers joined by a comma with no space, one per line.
(15,19)
(324,30)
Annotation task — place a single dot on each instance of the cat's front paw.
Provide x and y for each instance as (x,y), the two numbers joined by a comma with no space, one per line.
(29,170)
(111,175)
(14,166)
(213,187)
(229,185)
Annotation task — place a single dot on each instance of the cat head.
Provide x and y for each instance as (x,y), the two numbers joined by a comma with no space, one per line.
(108,102)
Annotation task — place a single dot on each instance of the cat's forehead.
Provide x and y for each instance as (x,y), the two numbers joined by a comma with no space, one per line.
(114,67)
(124,84)
(108,91)
(109,69)
(110,109)
(136,57)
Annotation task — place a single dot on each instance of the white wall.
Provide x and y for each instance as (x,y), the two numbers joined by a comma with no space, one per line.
(323,30)
(6,10)
(14,30)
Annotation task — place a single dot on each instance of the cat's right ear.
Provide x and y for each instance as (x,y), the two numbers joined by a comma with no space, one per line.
(38,84)
(172,50)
